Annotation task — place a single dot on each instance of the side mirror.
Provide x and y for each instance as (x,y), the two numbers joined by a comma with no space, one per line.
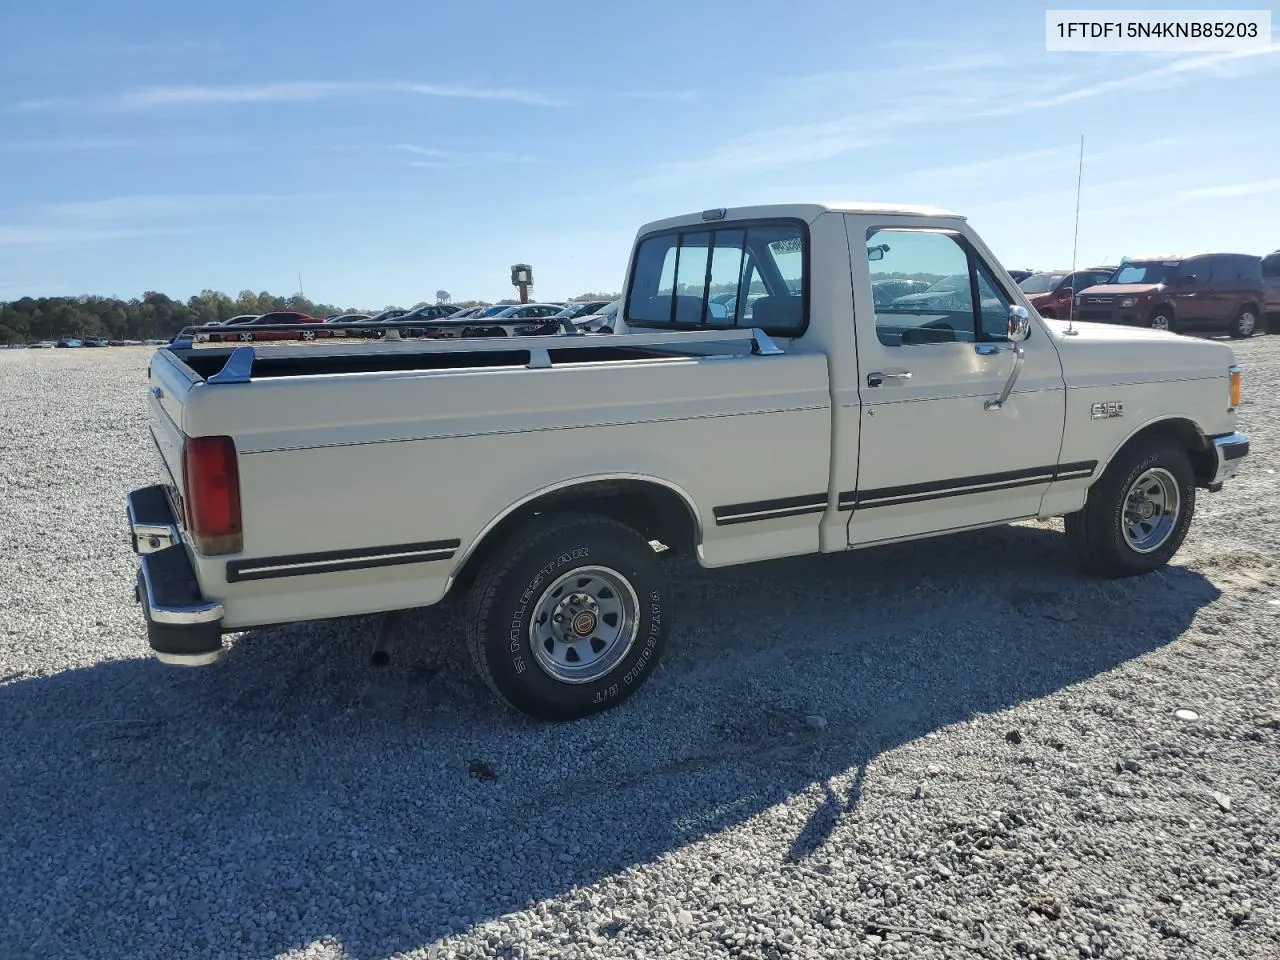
(877,252)
(1066,291)
(1019,323)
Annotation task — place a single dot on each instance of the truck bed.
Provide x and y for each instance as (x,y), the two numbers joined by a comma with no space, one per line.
(346,447)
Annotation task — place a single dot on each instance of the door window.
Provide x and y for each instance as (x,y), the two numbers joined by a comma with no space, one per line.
(930,287)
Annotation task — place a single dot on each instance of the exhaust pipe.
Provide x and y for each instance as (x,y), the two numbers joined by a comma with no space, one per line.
(380,655)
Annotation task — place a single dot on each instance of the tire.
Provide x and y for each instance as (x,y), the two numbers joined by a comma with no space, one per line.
(526,584)
(1097,533)
(1162,319)
(246,338)
(1246,323)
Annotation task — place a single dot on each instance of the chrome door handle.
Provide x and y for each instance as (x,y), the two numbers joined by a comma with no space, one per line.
(988,349)
(877,378)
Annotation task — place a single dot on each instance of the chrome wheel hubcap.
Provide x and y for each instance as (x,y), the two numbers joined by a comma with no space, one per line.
(1247,322)
(1160,323)
(1151,510)
(583,624)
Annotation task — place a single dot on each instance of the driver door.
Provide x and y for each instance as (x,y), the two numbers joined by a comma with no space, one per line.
(934,454)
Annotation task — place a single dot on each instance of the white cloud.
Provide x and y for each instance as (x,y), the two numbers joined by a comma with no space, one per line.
(153,206)
(435,157)
(293,91)
(964,89)
(31,234)
(1233,190)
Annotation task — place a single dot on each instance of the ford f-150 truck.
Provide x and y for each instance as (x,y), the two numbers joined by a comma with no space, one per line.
(566,463)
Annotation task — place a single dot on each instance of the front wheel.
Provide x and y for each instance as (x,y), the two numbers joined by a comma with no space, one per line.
(1138,512)
(1162,320)
(568,617)
(1245,323)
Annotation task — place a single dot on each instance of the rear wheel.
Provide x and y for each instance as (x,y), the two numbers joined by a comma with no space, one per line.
(1162,319)
(568,617)
(1245,323)
(1138,512)
(246,337)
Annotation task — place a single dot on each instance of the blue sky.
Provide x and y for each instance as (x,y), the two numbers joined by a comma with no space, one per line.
(385,150)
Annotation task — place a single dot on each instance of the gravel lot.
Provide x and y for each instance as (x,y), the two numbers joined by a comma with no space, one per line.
(964,749)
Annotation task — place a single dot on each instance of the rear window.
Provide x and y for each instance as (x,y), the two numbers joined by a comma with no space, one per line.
(738,275)
(1271,265)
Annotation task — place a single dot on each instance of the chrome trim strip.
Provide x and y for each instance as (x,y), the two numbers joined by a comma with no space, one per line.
(318,566)
(207,612)
(769,514)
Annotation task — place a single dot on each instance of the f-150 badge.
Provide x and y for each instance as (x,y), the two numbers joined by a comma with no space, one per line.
(1104,411)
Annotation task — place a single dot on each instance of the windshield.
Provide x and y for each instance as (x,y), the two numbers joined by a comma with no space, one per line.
(1041,282)
(496,309)
(1153,272)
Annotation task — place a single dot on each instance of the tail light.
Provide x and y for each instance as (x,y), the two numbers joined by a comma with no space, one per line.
(1235,387)
(211,487)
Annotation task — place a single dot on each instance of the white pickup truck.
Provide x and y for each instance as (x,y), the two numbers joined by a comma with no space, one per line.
(771,390)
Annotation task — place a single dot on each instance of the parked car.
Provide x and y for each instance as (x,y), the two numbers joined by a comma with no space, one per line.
(95,342)
(241,318)
(804,435)
(347,318)
(580,308)
(1220,292)
(465,313)
(947,293)
(391,314)
(1271,288)
(1052,292)
(244,332)
(1020,275)
(604,320)
(69,342)
(887,290)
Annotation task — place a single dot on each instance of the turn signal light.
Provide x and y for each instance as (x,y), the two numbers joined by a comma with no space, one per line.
(1235,387)
(211,482)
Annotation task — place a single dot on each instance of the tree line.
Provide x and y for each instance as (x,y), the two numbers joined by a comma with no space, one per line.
(154,315)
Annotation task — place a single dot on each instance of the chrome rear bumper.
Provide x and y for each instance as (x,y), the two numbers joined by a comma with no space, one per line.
(183,627)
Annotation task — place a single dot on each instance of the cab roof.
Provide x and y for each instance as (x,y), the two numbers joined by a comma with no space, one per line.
(807,212)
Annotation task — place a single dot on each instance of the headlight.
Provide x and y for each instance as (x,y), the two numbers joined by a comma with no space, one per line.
(1127,302)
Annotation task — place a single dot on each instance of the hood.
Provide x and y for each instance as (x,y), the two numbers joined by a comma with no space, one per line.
(1119,289)
(1098,353)
(1035,299)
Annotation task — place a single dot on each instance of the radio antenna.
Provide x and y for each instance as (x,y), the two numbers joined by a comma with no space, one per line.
(1075,243)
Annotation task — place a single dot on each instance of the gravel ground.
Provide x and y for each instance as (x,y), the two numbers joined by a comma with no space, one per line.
(873,754)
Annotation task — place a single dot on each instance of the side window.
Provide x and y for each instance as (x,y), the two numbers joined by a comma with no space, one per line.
(732,276)
(993,305)
(655,272)
(1198,268)
(1271,265)
(929,288)
(726,273)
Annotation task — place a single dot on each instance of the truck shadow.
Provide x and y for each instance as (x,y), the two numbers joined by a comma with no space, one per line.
(294,795)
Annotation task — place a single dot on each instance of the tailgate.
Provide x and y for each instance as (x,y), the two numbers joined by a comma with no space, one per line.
(170,381)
